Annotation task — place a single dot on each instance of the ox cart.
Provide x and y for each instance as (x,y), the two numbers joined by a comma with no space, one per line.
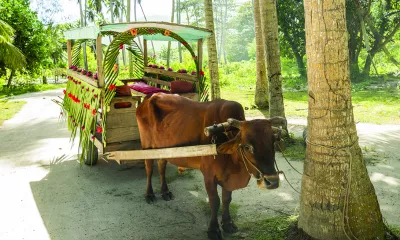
(106,120)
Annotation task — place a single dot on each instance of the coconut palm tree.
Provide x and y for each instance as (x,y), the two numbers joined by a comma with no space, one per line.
(10,56)
(262,95)
(212,51)
(338,200)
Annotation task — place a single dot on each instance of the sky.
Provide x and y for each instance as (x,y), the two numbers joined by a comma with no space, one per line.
(155,10)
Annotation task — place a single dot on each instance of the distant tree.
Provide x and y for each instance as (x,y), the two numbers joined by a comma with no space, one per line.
(291,26)
(212,51)
(30,35)
(261,95)
(269,22)
(240,33)
(338,200)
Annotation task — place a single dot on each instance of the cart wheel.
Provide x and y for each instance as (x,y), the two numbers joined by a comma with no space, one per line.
(92,155)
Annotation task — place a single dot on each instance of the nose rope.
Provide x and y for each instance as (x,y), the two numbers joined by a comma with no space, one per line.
(284,175)
(240,148)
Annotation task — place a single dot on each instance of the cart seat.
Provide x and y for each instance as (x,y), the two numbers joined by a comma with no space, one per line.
(146,89)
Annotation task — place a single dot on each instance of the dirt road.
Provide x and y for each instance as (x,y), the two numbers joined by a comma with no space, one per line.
(46,194)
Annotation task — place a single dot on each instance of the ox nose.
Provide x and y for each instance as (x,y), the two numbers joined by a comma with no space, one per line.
(269,182)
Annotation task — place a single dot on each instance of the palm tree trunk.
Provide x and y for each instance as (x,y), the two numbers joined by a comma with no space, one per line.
(10,78)
(338,200)
(212,51)
(83,21)
(128,19)
(169,42)
(269,21)
(178,19)
(261,96)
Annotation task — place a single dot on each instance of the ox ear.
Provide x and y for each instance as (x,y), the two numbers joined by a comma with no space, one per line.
(230,146)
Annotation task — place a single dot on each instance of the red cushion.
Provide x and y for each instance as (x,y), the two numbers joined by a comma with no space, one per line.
(123,91)
(146,89)
(181,87)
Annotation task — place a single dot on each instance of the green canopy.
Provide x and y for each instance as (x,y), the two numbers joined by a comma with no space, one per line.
(188,33)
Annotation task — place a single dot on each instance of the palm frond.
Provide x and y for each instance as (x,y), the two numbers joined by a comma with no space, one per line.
(11,55)
(6,32)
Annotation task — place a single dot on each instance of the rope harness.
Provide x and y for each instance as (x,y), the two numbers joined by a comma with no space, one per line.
(244,159)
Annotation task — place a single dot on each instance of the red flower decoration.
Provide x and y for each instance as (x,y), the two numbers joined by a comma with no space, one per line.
(133,32)
(64,91)
(93,137)
(99,129)
(112,87)
(94,111)
(83,127)
(121,46)
(201,73)
(61,113)
(87,89)
(95,96)
(150,31)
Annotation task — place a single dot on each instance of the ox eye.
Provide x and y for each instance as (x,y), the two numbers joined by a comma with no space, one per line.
(249,148)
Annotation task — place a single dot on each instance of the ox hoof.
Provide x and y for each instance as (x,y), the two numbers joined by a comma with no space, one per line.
(151,198)
(229,227)
(214,234)
(167,196)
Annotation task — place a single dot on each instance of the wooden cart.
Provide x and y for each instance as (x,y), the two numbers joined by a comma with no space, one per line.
(90,104)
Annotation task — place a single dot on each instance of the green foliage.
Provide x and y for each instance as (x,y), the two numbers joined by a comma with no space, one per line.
(30,34)
(268,228)
(9,108)
(27,88)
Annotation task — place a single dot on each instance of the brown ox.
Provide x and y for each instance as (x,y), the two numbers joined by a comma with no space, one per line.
(246,149)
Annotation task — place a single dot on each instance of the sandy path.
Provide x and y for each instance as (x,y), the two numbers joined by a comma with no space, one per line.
(45,194)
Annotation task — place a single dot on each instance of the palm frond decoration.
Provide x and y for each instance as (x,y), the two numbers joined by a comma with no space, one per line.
(76,52)
(80,104)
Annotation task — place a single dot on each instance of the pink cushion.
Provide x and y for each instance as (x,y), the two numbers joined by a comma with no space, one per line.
(181,86)
(146,89)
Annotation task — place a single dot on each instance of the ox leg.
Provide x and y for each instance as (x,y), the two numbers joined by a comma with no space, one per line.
(227,224)
(165,193)
(150,197)
(214,233)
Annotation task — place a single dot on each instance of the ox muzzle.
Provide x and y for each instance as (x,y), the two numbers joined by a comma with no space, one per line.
(268,182)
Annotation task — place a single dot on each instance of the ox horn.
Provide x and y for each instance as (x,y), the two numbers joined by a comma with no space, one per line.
(235,123)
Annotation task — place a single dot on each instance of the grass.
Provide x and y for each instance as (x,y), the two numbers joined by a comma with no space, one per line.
(6,92)
(370,106)
(295,149)
(9,108)
(269,228)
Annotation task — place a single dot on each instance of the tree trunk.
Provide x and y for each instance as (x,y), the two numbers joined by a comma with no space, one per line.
(178,19)
(83,21)
(338,200)
(300,64)
(169,42)
(368,63)
(261,96)
(10,78)
(128,19)
(269,21)
(212,51)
